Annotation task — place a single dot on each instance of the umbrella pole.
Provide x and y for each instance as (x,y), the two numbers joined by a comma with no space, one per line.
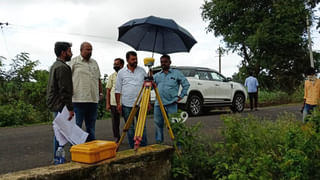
(155,41)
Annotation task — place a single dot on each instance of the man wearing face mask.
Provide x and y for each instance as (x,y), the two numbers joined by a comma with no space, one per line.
(111,98)
(87,89)
(168,81)
(59,90)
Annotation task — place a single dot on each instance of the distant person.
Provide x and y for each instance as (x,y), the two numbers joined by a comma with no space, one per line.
(311,92)
(87,89)
(59,89)
(252,85)
(129,82)
(111,98)
(168,81)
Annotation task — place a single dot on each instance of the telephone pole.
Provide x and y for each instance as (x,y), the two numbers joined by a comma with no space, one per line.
(219,59)
(220,51)
(310,43)
(309,8)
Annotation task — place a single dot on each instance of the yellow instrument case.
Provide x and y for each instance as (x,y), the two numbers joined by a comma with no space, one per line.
(93,151)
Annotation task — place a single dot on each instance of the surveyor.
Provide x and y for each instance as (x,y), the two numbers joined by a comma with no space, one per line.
(168,81)
(129,82)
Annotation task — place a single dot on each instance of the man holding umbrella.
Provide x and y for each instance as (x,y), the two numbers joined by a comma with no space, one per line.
(154,34)
(128,84)
(168,82)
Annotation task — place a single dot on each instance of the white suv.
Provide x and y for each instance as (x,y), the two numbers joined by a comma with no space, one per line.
(209,89)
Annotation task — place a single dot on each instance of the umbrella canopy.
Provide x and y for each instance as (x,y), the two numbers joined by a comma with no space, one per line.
(156,34)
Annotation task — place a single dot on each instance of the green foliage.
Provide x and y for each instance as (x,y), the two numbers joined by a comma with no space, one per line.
(252,148)
(273,97)
(18,113)
(23,93)
(193,162)
(267,98)
(102,103)
(269,35)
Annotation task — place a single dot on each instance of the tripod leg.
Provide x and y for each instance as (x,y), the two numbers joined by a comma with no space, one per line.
(130,119)
(142,117)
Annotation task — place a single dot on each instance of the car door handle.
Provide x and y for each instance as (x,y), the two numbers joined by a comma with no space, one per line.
(217,85)
(199,83)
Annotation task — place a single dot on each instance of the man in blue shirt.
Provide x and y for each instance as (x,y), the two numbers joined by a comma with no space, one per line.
(168,82)
(252,84)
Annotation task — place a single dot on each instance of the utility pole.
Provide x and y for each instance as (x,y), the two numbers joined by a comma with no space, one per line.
(309,34)
(310,43)
(220,51)
(219,59)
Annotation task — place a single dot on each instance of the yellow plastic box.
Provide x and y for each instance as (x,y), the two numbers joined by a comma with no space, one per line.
(93,151)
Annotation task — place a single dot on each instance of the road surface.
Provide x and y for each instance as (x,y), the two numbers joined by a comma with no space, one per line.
(31,146)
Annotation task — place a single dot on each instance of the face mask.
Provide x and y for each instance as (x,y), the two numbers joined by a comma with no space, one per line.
(116,68)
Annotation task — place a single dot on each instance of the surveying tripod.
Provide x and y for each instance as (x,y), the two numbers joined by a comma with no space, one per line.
(144,102)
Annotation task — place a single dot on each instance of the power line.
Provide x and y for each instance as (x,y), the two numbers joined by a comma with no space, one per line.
(4,37)
(67,33)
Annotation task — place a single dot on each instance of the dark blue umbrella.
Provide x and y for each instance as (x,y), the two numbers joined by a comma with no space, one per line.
(156,34)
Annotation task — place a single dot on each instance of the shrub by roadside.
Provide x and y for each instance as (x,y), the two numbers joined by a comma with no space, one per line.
(268,98)
(17,113)
(252,149)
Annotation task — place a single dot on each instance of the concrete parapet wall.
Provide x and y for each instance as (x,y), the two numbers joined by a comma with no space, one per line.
(151,162)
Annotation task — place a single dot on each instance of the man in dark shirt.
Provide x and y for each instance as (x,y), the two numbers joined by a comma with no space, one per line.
(59,90)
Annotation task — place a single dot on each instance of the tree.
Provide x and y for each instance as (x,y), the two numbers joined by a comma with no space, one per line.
(270,36)
(23,92)
(22,68)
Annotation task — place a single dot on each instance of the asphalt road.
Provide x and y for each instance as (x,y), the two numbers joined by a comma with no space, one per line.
(31,146)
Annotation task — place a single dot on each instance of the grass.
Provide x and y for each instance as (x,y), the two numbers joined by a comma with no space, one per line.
(268,98)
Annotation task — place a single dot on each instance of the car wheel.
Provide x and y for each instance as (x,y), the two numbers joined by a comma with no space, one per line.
(238,103)
(194,105)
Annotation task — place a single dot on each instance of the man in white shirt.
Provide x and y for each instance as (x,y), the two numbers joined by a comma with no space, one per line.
(111,98)
(252,84)
(87,90)
(129,82)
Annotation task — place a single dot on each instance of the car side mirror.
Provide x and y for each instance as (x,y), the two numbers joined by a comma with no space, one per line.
(228,79)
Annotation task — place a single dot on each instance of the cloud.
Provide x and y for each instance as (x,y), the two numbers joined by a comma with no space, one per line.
(37,24)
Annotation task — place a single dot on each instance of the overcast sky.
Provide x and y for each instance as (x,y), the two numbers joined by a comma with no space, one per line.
(37,24)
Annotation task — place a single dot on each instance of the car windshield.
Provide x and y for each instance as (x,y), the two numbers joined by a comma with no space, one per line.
(185,72)
(199,74)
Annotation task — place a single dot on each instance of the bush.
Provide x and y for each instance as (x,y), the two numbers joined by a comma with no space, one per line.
(267,98)
(252,148)
(18,113)
(192,162)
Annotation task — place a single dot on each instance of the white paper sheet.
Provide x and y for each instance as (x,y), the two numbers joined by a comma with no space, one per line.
(68,130)
(60,138)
